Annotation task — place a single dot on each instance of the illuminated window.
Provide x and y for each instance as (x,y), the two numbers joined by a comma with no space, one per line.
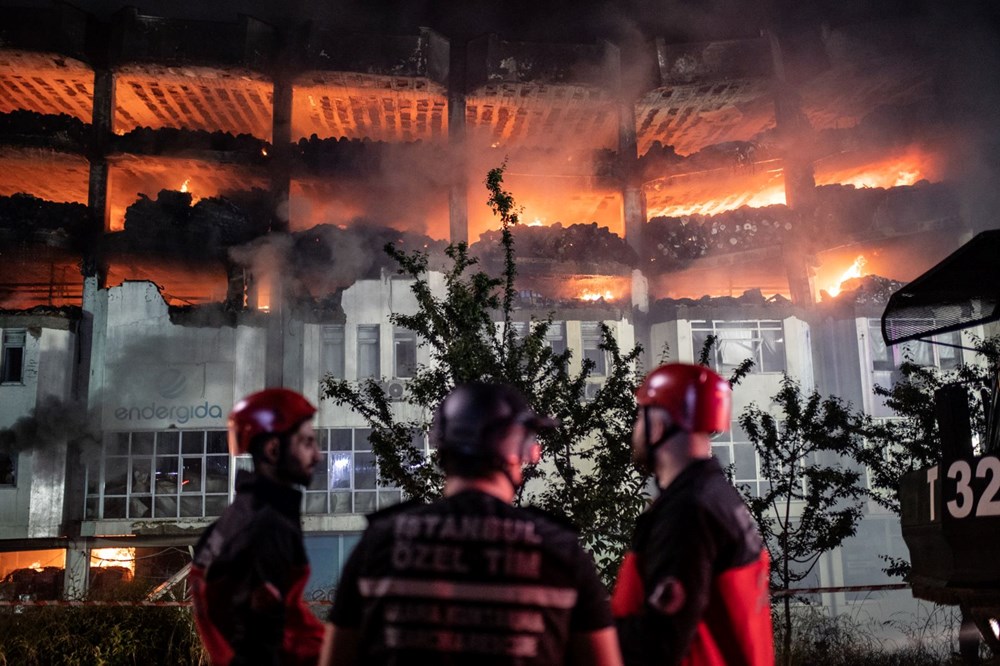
(346,479)
(369,365)
(173,474)
(12,357)
(404,347)
(763,342)
(332,351)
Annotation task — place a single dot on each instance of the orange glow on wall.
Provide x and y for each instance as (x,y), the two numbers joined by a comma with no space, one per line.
(903,167)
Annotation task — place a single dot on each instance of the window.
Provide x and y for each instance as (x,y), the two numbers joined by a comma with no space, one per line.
(368,352)
(346,478)
(590,333)
(8,468)
(404,347)
(171,474)
(761,341)
(944,355)
(556,337)
(733,449)
(12,360)
(332,351)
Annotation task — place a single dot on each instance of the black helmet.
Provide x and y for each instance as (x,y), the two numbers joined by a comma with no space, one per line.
(472,420)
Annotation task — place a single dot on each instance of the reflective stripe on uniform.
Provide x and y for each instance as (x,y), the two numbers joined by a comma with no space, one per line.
(532,595)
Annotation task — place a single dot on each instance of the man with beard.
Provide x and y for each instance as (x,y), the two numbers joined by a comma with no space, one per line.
(250,565)
(693,590)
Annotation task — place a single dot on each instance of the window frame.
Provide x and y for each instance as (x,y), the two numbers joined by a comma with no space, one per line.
(375,343)
(333,351)
(756,327)
(403,336)
(11,340)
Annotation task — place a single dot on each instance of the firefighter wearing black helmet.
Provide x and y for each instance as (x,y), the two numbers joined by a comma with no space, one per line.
(471,579)
(694,588)
(250,565)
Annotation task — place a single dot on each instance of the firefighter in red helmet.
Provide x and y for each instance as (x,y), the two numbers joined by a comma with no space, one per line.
(693,589)
(250,565)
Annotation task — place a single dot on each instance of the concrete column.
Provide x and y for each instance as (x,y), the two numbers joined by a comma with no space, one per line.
(97,190)
(77,579)
(633,199)
(458,203)
(281,151)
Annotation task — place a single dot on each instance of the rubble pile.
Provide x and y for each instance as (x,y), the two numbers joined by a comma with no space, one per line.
(672,242)
(166,140)
(170,225)
(31,128)
(24,215)
(577,242)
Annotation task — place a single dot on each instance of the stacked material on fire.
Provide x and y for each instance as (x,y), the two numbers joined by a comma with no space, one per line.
(583,243)
(169,140)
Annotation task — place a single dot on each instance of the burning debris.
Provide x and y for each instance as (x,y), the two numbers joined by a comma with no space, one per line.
(167,140)
(24,215)
(575,243)
(863,290)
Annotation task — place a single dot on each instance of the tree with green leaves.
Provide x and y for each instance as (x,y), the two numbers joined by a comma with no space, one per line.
(466,322)
(811,500)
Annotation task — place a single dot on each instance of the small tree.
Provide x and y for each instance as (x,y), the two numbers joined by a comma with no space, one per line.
(811,502)
(585,474)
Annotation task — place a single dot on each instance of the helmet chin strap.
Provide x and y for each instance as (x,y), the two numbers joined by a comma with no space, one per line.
(651,445)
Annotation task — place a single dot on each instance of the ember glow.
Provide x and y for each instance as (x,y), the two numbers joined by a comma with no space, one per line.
(855,271)
(596,296)
(113,557)
(906,167)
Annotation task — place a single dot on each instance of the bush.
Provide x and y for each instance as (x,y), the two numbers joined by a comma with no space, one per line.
(98,636)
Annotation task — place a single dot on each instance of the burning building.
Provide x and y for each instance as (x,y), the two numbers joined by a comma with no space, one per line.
(191,210)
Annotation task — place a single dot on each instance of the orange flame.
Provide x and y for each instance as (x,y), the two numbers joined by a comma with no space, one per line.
(596,296)
(113,557)
(855,271)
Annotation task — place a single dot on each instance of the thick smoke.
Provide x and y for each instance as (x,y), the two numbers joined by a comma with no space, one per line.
(50,425)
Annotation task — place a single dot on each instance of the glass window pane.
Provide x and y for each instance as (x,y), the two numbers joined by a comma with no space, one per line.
(90,511)
(166,475)
(340,439)
(118,446)
(193,441)
(315,502)
(340,470)
(165,507)
(215,504)
(341,502)
(723,455)
(364,471)
(388,498)
(140,506)
(320,473)
(192,475)
(364,502)
(114,507)
(332,351)
(115,477)
(217,442)
(368,352)
(698,340)
(191,507)
(142,443)
(772,351)
(746,461)
(142,476)
(217,474)
(167,443)
(361,436)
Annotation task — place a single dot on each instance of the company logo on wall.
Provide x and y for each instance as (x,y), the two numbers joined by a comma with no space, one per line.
(162,396)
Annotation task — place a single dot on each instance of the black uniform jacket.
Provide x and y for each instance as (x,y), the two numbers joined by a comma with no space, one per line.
(694,588)
(249,571)
(469,579)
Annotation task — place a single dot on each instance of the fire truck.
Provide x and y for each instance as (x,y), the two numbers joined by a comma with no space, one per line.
(950,511)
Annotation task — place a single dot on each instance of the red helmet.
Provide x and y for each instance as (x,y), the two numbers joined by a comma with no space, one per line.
(272,411)
(697,399)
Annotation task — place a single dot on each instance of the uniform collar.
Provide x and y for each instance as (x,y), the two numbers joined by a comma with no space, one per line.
(285,498)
